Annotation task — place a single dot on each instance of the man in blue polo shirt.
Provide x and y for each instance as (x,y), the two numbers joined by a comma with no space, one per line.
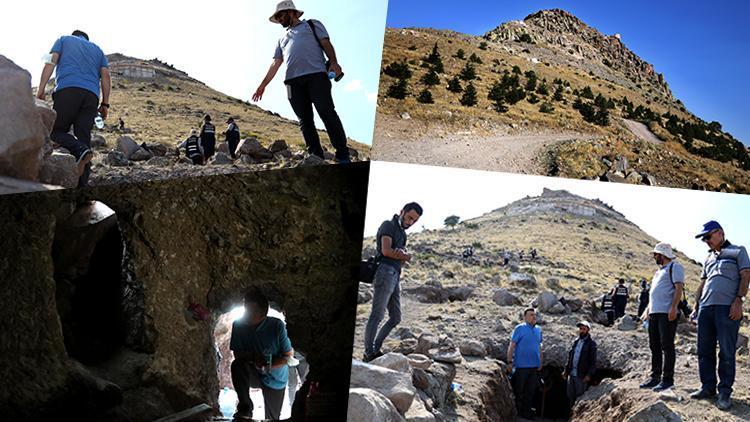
(525,361)
(306,78)
(261,350)
(724,281)
(81,68)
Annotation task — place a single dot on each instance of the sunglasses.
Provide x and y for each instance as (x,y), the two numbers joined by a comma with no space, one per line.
(708,236)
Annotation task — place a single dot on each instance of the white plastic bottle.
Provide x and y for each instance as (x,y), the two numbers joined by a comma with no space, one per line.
(227,402)
(99,121)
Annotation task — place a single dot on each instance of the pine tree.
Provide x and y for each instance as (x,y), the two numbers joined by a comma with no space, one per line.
(517,70)
(483,45)
(542,89)
(475,59)
(398,89)
(525,38)
(497,96)
(454,85)
(468,72)
(435,60)
(558,93)
(460,54)
(425,97)
(532,98)
(469,98)
(430,78)
(587,93)
(399,69)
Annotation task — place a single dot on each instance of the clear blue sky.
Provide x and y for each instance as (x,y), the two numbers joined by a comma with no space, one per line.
(227,44)
(700,46)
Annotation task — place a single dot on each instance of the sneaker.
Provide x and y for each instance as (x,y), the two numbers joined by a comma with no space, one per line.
(372,357)
(85,158)
(664,385)
(702,395)
(650,383)
(724,402)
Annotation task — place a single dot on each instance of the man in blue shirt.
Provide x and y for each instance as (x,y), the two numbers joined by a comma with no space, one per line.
(525,361)
(724,280)
(302,46)
(581,365)
(261,350)
(81,68)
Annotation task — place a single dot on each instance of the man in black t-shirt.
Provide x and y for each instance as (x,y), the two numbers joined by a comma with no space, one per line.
(391,254)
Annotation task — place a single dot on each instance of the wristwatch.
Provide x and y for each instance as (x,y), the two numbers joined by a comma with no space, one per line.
(105,105)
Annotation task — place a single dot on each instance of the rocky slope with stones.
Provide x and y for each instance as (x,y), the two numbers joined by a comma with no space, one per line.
(96,306)
(566,54)
(158,105)
(458,314)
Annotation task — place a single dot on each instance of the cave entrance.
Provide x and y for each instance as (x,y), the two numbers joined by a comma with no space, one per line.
(226,394)
(551,400)
(87,253)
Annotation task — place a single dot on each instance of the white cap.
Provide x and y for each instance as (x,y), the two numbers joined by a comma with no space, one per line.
(664,249)
(584,323)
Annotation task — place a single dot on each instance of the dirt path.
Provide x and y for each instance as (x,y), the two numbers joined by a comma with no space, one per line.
(641,131)
(506,153)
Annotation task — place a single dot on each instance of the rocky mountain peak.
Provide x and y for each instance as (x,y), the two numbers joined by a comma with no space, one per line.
(563,37)
(561,202)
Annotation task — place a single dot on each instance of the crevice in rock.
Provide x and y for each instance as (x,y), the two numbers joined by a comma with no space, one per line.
(551,400)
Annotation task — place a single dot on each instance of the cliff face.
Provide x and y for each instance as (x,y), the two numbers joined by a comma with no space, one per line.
(575,40)
(194,241)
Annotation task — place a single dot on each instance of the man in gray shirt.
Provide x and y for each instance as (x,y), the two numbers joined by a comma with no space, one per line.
(724,280)
(661,314)
(307,77)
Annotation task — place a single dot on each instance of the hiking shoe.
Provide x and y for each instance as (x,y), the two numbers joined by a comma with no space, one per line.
(664,385)
(650,383)
(368,358)
(724,402)
(702,395)
(85,158)
(345,160)
(243,415)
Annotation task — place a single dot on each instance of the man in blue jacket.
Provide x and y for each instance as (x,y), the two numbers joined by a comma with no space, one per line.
(581,365)
(82,68)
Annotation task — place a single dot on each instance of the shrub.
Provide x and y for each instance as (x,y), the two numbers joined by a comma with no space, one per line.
(399,69)
(475,59)
(425,97)
(398,89)
(587,93)
(517,70)
(558,96)
(460,54)
(454,85)
(542,89)
(546,108)
(430,78)
(525,38)
(468,72)
(469,98)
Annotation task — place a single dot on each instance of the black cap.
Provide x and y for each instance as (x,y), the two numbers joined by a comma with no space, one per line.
(230,120)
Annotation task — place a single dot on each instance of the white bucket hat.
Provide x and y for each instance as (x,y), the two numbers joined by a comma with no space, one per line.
(284,5)
(664,249)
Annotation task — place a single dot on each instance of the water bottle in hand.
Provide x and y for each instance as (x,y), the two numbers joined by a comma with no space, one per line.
(99,121)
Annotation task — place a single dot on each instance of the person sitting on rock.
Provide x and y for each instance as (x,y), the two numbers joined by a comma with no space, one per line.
(193,148)
(621,296)
(208,137)
(261,352)
(468,252)
(724,282)
(391,254)
(609,308)
(232,137)
(581,365)
(302,46)
(82,68)
(643,298)
(661,314)
(525,361)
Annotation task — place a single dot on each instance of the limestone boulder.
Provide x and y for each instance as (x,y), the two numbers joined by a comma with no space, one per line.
(472,348)
(127,146)
(394,361)
(367,405)
(505,298)
(394,385)
(23,132)
(221,158)
(253,148)
(418,412)
(141,154)
(116,158)
(59,169)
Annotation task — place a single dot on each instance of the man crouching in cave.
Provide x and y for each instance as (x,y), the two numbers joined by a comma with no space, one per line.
(261,349)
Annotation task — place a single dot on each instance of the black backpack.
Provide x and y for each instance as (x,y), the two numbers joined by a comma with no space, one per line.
(367,269)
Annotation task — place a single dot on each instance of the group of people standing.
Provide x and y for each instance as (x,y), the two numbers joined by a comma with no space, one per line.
(200,146)
(719,299)
(82,69)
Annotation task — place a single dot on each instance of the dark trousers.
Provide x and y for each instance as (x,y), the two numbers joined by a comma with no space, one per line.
(661,332)
(576,387)
(246,376)
(714,326)
(525,382)
(232,142)
(610,317)
(75,107)
(209,145)
(315,89)
(620,303)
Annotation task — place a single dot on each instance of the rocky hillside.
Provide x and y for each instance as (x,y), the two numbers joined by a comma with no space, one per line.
(549,74)
(458,314)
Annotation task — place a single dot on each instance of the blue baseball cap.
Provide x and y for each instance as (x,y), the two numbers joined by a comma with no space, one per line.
(708,228)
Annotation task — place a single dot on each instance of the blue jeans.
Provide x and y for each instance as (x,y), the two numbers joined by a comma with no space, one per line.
(715,326)
(387,294)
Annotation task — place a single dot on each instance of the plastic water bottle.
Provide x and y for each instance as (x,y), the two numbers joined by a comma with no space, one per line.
(331,74)
(457,389)
(645,325)
(99,121)
(227,402)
